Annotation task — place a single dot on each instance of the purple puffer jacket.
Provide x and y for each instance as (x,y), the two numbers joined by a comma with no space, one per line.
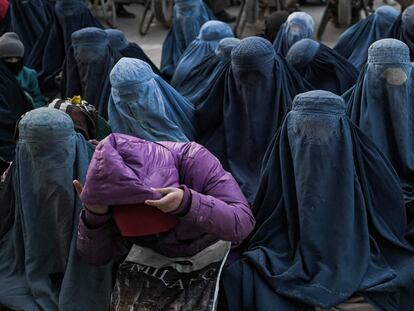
(213,206)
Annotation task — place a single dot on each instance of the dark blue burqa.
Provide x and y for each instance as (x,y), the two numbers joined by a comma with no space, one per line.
(353,44)
(330,218)
(29,19)
(13,104)
(49,51)
(39,265)
(403,29)
(322,66)
(299,25)
(189,16)
(382,105)
(88,65)
(207,41)
(259,89)
(121,44)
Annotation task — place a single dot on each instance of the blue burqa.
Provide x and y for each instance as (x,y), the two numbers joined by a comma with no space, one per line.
(143,105)
(49,52)
(210,35)
(330,218)
(88,65)
(189,16)
(322,67)
(259,90)
(29,19)
(403,29)
(382,105)
(299,25)
(13,104)
(353,44)
(121,44)
(39,265)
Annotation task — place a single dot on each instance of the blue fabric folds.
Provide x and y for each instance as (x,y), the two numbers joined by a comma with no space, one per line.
(353,44)
(403,29)
(121,44)
(143,105)
(382,105)
(88,65)
(13,104)
(299,25)
(259,90)
(49,51)
(330,217)
(210,35)
(189,16)
(322,67)
(39,265)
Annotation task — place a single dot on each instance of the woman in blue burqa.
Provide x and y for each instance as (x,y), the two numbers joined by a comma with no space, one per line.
(353,44)
(403,29)
(143,105)
(189,16)
(121,44)
(299,25)
(208,39)
(382,105)
(331,220)
(48,54)
(88,65)
(39,266)
(259,88)
(322,66)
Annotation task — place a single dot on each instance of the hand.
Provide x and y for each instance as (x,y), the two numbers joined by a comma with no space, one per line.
(94,142)
(171,200)
(96,209)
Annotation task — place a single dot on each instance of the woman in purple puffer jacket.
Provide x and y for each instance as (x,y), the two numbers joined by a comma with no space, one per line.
(206,200)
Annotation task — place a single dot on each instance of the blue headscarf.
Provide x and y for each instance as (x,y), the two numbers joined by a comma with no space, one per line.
(89,63)
(143,105)
(299,25)
(210,35)
(49,52)
(403,29)
(322,67)
(121,44)
(189,16)
(259,90)
(39,265)
(29,19)
(353,44)
(330,217)
(382,105)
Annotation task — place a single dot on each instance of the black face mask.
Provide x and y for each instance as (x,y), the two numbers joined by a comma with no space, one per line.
(14,67)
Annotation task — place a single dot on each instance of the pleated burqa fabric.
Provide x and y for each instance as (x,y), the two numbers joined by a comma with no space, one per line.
(88,65)
(204,78)
(121,44)
(13,104)
(208,39)
(259,90)
(39,265)
(382,105)
(189,16)
(403,29)
(143,105)
(322,66)
(49,51)
(353,44)
(299,25)
(330,218)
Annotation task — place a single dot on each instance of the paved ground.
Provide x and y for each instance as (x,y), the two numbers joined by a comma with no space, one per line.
(152,42)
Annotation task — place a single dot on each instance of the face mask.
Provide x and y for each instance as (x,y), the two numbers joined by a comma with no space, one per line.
(14,67)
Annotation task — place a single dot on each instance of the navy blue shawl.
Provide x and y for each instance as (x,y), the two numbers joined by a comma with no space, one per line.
(403,29)
(322,66)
